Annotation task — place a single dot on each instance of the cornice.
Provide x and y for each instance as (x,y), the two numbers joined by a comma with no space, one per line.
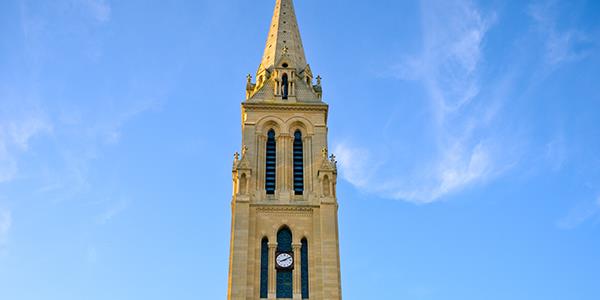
(274,106)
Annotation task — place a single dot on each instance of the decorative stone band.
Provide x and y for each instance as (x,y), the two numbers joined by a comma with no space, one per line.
(284,210)
(269,106)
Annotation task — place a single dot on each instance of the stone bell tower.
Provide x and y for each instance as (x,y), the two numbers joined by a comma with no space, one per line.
(284,235)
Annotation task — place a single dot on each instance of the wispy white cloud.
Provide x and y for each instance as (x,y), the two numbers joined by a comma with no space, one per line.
(457,168)
(91,254)
(89,136)
(114,210)
(358,165)
(448,67)
(99,9)
(5,225)
(453,34)
(556,152)
(15,136)
(580,214)
(561,44)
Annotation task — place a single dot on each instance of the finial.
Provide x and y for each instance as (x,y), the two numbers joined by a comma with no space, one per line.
(236,156)
(319,79)
(324,151)
(332,157)
(249,77)
(244,151)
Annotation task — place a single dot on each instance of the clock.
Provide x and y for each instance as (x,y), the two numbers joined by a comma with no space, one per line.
(284,260)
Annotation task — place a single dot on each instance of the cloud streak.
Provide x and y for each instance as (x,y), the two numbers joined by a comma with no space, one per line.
(5,226)
(113,211)
(561,45)
(465,152)
(580,214)
(99,9)
(15,137)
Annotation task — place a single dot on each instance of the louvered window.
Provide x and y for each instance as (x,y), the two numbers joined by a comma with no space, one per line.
(298,164)
(271,163)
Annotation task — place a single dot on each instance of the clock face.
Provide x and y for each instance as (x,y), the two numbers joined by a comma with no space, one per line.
(284,260)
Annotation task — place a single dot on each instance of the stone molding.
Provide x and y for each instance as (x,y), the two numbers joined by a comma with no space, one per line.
(284,211)
(270,106)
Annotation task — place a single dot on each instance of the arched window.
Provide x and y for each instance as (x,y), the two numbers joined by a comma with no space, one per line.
(304,268)
(271,163)
(243,184)
(326,187)
(284,277)
(285,86)
(264,268)
(298,164)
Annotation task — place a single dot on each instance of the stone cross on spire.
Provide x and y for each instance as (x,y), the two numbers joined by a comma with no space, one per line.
(284,38)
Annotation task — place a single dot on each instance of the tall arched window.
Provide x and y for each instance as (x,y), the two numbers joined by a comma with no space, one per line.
(264,268)
(304,268)
(271,163)
(243,184)
(298,164)
(326,187)
(284,277)
(285,86)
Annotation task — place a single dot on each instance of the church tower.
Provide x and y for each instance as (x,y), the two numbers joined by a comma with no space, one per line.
(284,235)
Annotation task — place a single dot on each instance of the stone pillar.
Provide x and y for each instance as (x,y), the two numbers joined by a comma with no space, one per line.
(261,157)
(272,271)
(289,164)
(297,282)
(308,166)
(279,184)
(284,163)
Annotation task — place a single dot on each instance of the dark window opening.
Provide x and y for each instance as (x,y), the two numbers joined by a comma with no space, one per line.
(284,277)
(264,268)
(298,164)
(304,268)
(271,163)
(285,86)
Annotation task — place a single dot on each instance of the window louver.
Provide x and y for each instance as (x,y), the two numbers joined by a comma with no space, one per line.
(271,163)
(298,164)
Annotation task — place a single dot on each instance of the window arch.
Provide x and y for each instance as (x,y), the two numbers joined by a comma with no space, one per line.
(271,163)
(243,184)
(304,268)
(264,268)
(284,277)
(298,164)
(285,86)
(326,186)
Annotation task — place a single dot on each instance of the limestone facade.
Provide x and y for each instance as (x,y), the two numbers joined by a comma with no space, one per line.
(284,100)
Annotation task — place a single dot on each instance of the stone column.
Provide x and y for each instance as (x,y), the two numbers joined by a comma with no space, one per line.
(279,184)
(261,157)
(289,164)
(284,163)
(308,166)
(272,271)
(297,282)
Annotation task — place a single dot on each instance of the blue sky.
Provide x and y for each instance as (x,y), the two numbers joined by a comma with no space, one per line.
(467,133)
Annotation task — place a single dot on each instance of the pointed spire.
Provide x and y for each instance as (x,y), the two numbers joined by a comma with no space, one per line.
(284,41)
